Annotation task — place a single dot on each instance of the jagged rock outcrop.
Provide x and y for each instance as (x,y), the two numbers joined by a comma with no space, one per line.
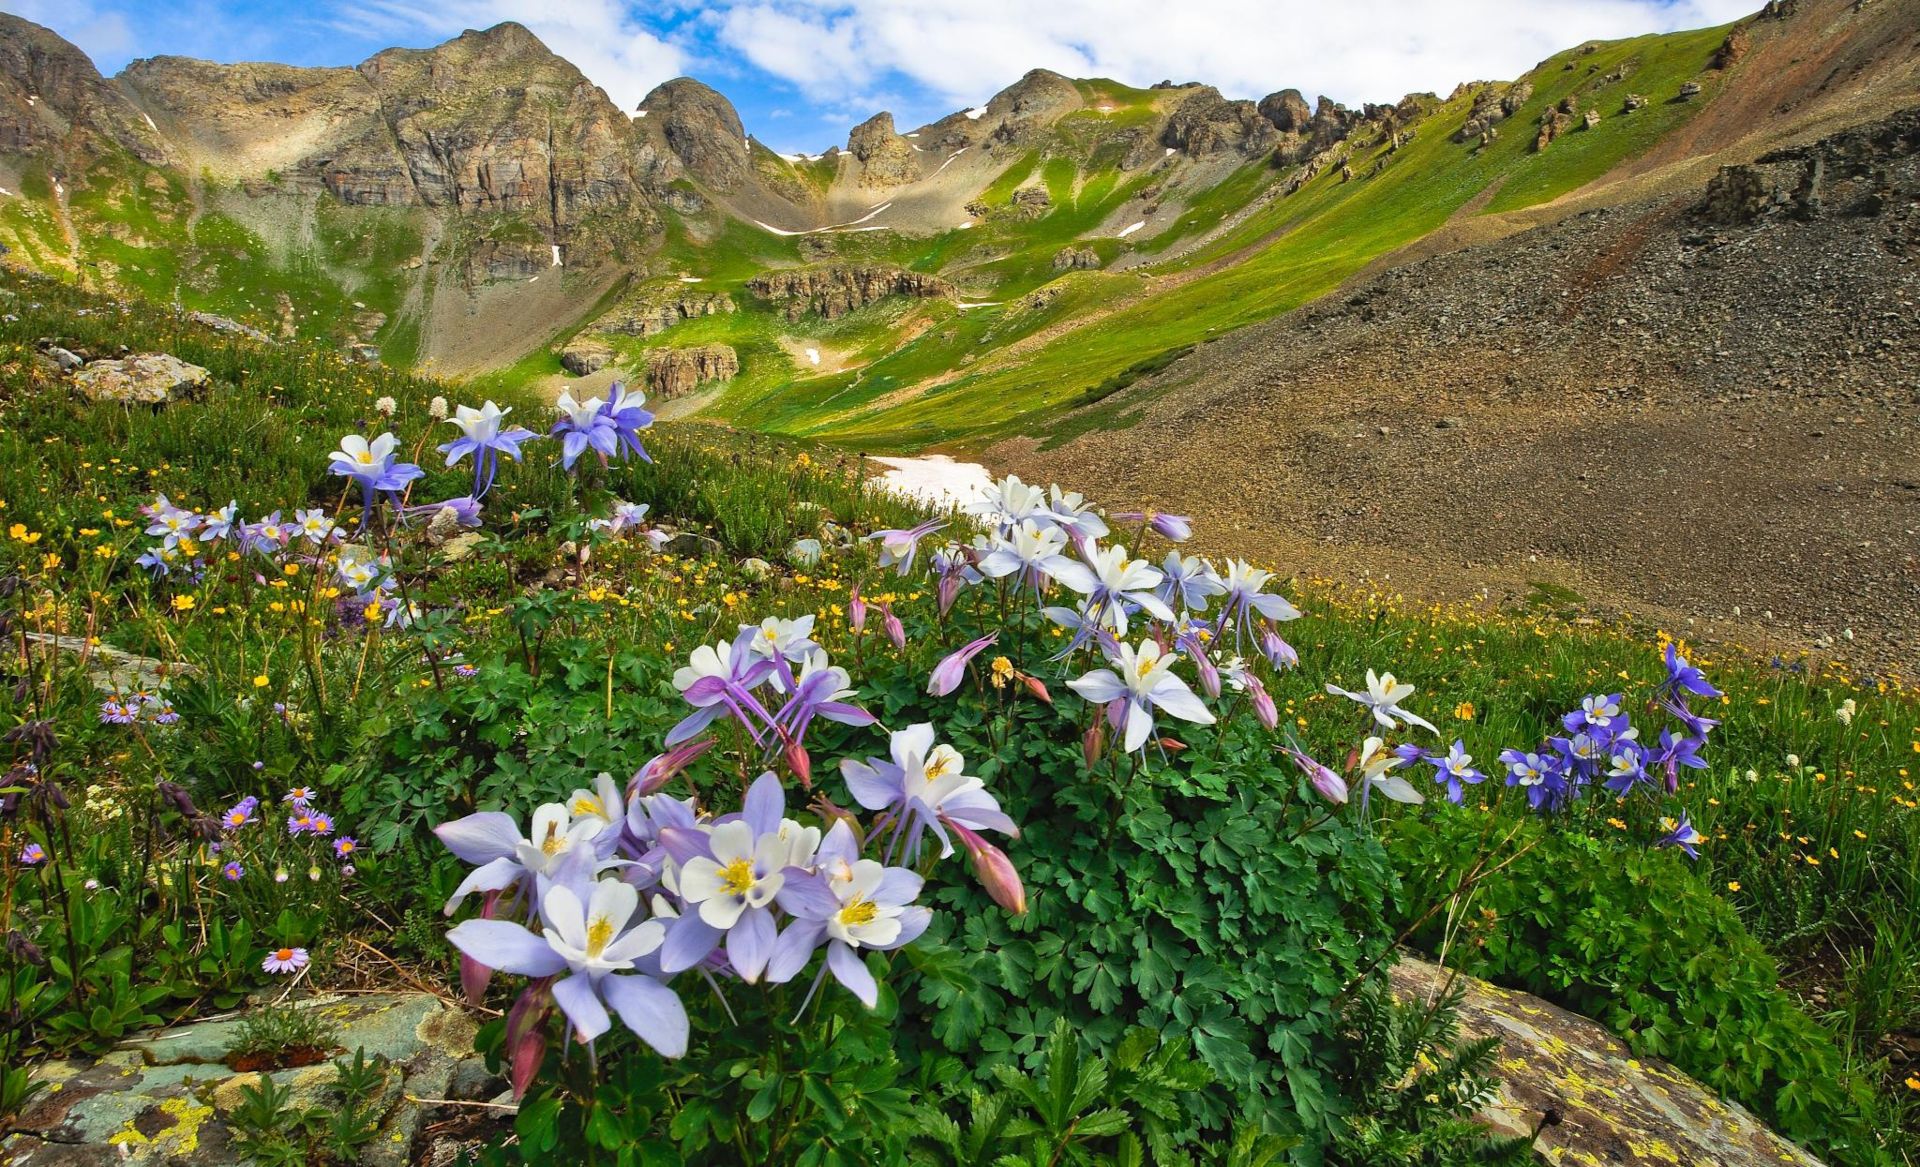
(653,312)
(702,130)
(1206,123)
(494,121)
(1614,1109)
(1287,110)
(1851,173)
(1732,49)
(52,99)
(835,290)
(674,371)
(1076,259)
(886,158)
(1491,106)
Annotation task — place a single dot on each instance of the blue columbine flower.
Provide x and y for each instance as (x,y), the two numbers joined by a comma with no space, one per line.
(1682,677)
(1453,768)
(375,466)
(1681,834)
(481,436)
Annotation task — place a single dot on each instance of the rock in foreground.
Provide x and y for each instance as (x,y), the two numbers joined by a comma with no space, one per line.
(144,379)
(1615,1110)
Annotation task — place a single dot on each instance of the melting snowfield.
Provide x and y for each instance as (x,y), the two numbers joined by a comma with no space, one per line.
(937,479)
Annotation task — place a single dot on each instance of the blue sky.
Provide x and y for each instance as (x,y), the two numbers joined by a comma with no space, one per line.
(803,71)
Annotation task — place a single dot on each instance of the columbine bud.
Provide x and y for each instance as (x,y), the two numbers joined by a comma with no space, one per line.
(1035,687)
(799,763)
(1209,677)
(994,870)
(1278,652)
(1262,703)
(1093,742)
(856,611)
(896,631)
(474,976)
(949,590)
(1172,745)
(1331,786)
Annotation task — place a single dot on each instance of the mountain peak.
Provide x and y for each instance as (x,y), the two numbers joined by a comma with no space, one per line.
(702,129)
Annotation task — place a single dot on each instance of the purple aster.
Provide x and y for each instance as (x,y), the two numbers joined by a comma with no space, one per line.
(233,870)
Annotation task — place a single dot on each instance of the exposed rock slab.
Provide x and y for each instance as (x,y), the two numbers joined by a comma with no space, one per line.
(143,379)
(162,1098)
(110,669)
(1615,1110)
(581,357)
(836,290)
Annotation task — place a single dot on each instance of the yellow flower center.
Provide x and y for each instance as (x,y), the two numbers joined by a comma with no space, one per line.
(366,458)
(858,912)
(555,842)
(599,931)
(588,805)
(1145,665)
(284,954)
(737,877)
(937,767)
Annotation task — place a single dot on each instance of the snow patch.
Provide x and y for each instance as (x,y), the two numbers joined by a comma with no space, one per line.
(1130,230)
(853,225)
(149,120)
(949,161)
(963,305)
(966,226)
(6,192)
(690,279)
(975,114)
(937,479)
(915,134)
(813,356)
(1169,153)
(556,255)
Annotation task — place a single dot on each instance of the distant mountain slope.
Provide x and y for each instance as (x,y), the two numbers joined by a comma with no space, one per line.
(1704,403)
(481,208)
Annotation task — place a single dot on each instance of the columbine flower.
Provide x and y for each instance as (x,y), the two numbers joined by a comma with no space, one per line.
(1453,768)
(1626,766)
(627,411)
(1144,682)
(1190,580)
(481,436)
(1681,834)
(314,525)
(925,787)
(1538,774)
(1682,677)
(583,426)
(1244,598)
(1596,712)
(1377,764)
(594,945)
(374,465)
(285,960)
(851,904)
(217,525)
(1383,697)
(1030,550)
(1070,512)
(171,522)
(1113,585)
(947,674)
(1331,786)
(1010,502)
(505,857)
(900,546)
(719,679)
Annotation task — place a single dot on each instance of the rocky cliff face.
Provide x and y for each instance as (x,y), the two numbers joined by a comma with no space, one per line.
(701,130)
(675,371)
(837,290)
(655,310)
(886,158)
(53,100)
(494,121)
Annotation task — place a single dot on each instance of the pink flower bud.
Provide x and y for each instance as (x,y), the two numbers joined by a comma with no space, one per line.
(856,610)
(1093,742)
(1263,703)
(1035,687)
(799,763)
(1209,678)
(949,591)
(994,870)
(1172,745)
(896,631)
(527,1054)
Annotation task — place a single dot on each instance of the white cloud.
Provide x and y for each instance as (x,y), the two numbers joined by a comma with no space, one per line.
(835,51)
(98,33)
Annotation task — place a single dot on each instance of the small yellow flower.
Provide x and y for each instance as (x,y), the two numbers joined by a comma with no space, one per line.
(183,603)
(260,681)
(1463,711)
(1733,885)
